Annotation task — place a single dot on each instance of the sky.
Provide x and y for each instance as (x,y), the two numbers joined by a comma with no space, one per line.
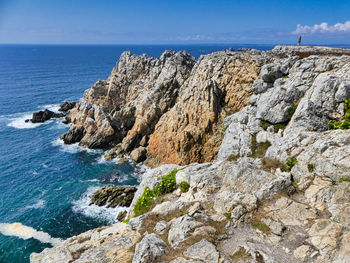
(174,22)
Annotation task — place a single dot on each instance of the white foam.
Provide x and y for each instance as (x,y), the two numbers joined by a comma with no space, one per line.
(26,232)
(39,204)
(82,206)
(72,148)
(90,180)
(19,122)
(51,107)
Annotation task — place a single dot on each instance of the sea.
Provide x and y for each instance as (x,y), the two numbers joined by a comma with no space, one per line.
(44,184)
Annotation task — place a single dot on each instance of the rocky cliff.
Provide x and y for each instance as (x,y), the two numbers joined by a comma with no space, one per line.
(274,126)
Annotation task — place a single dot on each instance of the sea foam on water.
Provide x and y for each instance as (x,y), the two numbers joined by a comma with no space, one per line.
(26,232)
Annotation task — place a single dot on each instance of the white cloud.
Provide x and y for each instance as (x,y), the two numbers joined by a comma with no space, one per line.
(195,38)
(323,28)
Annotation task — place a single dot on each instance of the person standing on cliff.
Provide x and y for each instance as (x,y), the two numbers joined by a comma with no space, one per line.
(299,41)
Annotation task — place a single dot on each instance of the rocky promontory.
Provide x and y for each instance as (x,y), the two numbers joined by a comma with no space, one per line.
(252,152)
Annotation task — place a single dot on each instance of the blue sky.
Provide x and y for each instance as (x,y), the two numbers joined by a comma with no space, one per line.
(181,21)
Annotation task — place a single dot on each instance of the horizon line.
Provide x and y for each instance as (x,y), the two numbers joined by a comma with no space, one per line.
(164,44)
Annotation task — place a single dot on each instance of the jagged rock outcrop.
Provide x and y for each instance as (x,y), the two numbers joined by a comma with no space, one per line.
(192,130)
(66,106)
(127,106)
(279,190)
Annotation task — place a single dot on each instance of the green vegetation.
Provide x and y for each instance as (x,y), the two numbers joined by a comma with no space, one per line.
(144,202)
(342,179)
(289,164)
(167,185)
(344,122)
(292,109)
(259,149)
(258,224)
(126,220)
(240,255)
(276,127)
(233,157)
(184,186)
(148,197)
(285,77)
(227,215)
(310,167)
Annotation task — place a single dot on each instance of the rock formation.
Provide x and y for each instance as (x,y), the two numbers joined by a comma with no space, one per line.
(66,106)
(45,115)
(113,196)
(279,189)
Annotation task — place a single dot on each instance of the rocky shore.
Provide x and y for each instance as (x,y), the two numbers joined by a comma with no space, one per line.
(251,153)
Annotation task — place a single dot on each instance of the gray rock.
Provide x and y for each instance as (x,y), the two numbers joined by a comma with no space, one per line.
(204,251)
(149,249)
(180,229)
(161,227)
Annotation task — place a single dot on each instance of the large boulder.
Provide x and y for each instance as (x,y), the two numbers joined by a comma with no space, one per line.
(149,249)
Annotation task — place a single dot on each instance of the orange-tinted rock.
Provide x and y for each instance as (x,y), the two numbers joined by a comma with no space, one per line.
(192,130)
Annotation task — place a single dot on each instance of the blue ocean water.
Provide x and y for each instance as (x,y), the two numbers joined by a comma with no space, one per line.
(44,185)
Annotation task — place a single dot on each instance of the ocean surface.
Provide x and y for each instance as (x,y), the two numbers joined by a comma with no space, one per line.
(44,185)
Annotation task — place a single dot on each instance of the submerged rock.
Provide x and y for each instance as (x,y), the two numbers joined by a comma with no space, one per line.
(113,196)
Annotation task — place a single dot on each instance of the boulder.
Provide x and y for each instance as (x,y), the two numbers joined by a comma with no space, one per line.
(138,155)
(203,251)
(45,115)
(113,196)
(149,249)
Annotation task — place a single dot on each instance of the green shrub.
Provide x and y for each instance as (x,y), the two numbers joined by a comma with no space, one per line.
(227,215)
(144,202)
(292,110)
(184,186)
(289,164)
(126,220)
(311,167)
(167,185)
(344,122)
(342,179)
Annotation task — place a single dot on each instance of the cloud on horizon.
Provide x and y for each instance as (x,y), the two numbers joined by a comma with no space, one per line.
(323,28)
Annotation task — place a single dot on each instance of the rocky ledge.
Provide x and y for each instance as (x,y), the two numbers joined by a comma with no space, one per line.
(277,187)
(113,196)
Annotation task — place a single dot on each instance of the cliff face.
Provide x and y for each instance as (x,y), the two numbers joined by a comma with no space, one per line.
(127,106)
(279,190)
(171,101)
(192,130)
